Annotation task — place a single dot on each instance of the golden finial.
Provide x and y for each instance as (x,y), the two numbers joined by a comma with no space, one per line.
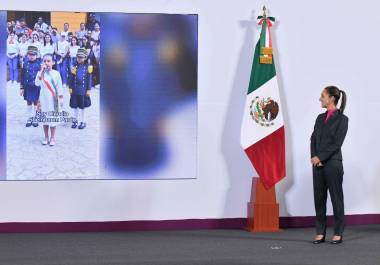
(264,11)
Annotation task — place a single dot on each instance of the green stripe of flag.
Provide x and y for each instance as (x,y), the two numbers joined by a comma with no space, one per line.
(260,73)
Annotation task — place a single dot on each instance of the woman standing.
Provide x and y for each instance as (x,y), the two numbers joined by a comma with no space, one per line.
(35,41)
(96,32)
(23,49)
(73,50)
(48,46)
(87,46)
(12,57)
(62,57)
(330,129)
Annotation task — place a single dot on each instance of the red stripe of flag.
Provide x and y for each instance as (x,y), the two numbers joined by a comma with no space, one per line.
(267,156)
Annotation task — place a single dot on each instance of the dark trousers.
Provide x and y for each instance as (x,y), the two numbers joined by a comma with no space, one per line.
(329,177)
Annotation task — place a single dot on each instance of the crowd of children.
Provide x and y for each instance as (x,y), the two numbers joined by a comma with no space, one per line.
(46,63)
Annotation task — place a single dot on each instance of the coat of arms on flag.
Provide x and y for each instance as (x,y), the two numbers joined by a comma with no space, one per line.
(264,111)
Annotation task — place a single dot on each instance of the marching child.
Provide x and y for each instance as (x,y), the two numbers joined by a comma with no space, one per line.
(80,86)
(29,90)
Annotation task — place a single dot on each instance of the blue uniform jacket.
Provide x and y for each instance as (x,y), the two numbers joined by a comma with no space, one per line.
(80,79)
(29,72)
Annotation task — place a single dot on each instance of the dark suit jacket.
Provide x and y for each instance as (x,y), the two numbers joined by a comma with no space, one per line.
(327,138)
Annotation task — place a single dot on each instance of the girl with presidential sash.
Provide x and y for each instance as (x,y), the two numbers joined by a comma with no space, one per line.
(51,98)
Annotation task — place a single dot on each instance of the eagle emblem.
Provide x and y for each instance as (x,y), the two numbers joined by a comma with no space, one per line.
(264,111)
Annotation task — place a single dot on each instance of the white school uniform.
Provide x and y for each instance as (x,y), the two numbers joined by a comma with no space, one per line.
(44,27)
(48,49)
(23,48)
(73,51)
(12,48)
(47,100)
(81,34)
(95,35)
(62,47)
(66,34)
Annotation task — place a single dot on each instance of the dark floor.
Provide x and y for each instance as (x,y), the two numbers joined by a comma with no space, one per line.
(361,246)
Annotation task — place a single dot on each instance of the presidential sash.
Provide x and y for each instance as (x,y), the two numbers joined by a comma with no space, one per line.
(52,89)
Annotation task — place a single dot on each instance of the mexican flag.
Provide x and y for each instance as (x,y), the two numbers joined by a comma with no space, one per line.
(262,131)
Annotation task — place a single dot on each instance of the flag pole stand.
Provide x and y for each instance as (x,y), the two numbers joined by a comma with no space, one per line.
(263,209)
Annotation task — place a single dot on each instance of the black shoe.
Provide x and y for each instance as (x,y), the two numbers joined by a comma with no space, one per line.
(82,125)
(319,241)
(74,125)
(35,124)
(28,123)
(337,241)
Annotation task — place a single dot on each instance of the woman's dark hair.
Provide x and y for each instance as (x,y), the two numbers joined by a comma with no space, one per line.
(71,42)
(87,45)
(335,92)
(51,41)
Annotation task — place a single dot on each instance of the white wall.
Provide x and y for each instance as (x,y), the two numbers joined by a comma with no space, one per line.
(318,43)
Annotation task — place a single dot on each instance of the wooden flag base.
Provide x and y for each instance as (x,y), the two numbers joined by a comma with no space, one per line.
(263,210)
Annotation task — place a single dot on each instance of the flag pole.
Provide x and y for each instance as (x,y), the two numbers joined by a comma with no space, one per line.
(263,209)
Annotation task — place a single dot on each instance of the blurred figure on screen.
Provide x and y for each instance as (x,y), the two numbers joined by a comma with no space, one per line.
(150,67)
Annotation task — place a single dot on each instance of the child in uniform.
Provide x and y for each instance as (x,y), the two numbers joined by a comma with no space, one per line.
(28,89)
(80,86)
